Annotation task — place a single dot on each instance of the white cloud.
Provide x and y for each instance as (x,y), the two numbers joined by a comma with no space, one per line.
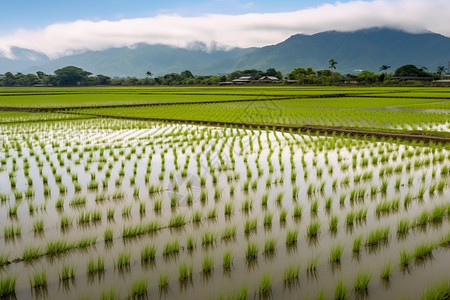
(226,31)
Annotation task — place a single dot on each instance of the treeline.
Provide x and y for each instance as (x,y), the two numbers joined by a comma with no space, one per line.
(74,76)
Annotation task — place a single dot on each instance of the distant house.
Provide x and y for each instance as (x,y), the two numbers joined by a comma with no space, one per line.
(269,79)
(444,81)
(411,78)
(243,80)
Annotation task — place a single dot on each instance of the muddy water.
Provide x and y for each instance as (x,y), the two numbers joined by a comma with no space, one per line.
(131,146)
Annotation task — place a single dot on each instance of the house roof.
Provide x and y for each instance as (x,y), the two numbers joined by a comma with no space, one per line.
(272,78)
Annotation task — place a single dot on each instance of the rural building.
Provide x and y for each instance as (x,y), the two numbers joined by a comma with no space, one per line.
(444,81)
(269,79)
(243,80)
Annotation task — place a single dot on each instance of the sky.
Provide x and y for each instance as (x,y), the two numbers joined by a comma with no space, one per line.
(58,28)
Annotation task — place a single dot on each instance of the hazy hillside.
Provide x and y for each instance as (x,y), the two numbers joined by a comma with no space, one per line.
(364,49)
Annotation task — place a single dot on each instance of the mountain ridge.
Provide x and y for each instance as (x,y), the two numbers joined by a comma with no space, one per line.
(365,49)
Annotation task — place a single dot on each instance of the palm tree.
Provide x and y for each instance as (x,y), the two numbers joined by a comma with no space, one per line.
(332,63)
(149,74)
(440,70)
(384,68)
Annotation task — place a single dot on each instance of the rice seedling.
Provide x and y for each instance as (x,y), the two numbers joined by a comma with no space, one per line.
(12,210)
(108,295)
(12,231)
(39,280)
(269,245)
(424,250)
(291,237)
(228,209)
(184,272)
(405,258)
(4,259)
(190,243)
(268,216)
(336,254)
(110,212)
(252,251)
(291,273)
(298,210)
(148,253)
(314,206)
(227,260)
(386,272)
(342,199)
(177,221)
(422,219)
(247,205)
(403,227)
(421,193)
(340,292)
(333,223)
(59,204)
(250,225)
(197,216)
(283,215)
(126,210)
(7,286)
(84,242)
(212,213)
(123,260)
(311,266)
(108,235)
(163,281)
(362,282)
(437,291)
(357,242)
(378,235)
(229,232)
(96,266)
(207,265)
(139,288)
(38,225)
(31,252)
(208,238)
(265,285)
(171,248)
(67,272)
(78,201)
(438,213)
(440,186)
(313,228)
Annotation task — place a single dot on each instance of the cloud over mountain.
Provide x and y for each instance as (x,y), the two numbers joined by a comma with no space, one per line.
(227,31)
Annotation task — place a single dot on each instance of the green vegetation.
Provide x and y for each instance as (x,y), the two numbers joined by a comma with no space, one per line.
(139,288)
(224,192)
(265,286)
(7,286)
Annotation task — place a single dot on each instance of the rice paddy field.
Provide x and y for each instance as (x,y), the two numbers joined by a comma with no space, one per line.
(112,193)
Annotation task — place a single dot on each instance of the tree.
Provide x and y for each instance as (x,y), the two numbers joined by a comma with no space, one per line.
(384,68)
(367,77)
(332,64)
(9,79)
(271,72)
(149,74)
(410,71)
(71,76)
(440,70)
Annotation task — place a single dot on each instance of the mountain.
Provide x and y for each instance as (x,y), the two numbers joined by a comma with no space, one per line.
(359,50)
(136,61)
(24,59)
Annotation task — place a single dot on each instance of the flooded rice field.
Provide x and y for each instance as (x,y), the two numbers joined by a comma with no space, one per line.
(115,209)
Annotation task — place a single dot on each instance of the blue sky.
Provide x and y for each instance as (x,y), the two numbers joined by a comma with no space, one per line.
(63,27)
(31,14)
